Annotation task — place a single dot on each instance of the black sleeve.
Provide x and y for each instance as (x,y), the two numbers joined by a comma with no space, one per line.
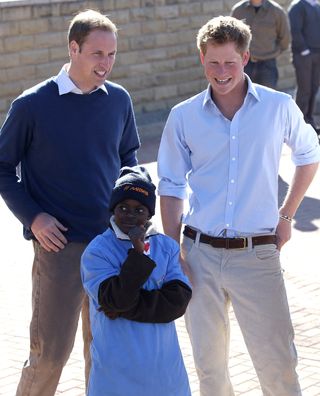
(120,293)
(161,305)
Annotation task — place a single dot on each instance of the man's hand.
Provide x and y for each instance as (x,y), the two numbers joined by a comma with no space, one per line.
(136,235)
(47,229)
(283,233)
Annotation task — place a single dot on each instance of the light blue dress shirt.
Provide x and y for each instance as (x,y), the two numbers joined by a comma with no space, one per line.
(228,170)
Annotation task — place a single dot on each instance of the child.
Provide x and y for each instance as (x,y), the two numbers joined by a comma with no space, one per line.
(136,290)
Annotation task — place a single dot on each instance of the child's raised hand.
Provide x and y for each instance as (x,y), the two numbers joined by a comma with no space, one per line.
(136,235)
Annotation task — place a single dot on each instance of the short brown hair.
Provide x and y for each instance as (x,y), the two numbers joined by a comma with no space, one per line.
(222,30)
(87,21)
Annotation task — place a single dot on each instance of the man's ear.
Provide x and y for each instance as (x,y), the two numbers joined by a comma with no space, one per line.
(245,58)
(201,57)
(73,48)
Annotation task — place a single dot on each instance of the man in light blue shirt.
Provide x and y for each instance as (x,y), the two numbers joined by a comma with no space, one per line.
(221,150)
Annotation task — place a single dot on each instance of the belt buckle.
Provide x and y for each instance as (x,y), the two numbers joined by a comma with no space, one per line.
(245,242)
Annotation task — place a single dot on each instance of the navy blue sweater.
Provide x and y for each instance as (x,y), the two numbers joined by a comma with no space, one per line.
(71,148)
(305,26)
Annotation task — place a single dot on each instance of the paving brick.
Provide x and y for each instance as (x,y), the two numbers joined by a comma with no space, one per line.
(302,288)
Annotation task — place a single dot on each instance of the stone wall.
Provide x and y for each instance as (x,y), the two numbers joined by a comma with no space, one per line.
(157,57)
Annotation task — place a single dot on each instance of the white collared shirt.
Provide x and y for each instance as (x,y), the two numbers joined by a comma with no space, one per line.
(66,85)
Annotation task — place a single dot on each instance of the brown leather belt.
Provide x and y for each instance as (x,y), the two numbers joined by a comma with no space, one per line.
(230,243)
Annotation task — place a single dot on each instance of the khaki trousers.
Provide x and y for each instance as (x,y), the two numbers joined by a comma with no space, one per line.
(250,279)
(57,300)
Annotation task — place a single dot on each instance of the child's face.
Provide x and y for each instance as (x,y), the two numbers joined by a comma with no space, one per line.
(130,213)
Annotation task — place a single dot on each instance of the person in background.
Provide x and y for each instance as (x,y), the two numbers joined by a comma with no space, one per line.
(270,37)
(137,289)
(304,18)
(71,134)
(221,150)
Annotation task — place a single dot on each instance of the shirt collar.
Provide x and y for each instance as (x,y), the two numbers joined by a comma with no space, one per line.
(66,85)
(207,96)
(117,231)
(251,91)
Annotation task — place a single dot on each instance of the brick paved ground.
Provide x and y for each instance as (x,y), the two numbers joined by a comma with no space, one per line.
(299,258)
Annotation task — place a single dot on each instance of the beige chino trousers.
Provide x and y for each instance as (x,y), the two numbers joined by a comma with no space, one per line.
(57,300)
(251,280)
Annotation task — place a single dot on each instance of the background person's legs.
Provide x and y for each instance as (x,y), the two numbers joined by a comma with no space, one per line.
(303,69)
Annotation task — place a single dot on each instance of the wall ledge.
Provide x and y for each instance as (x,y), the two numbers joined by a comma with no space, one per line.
(17,3)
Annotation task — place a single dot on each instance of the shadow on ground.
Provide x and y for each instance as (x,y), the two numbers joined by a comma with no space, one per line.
(308,211)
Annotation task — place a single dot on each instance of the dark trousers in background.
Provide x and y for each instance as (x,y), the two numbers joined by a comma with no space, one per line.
(308,78)
(263,72)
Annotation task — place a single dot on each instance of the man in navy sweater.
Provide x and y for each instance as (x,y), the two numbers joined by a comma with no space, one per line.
(304,18)
(71,134)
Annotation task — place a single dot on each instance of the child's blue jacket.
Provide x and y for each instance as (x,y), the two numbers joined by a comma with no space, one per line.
(132,357)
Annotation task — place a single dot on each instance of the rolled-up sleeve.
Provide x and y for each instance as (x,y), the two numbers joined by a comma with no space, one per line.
(301,138)
(173,158)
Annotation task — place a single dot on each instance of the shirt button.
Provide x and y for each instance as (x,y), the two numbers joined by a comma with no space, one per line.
(230,203)
(233,137)
(233,158)
(227,225)
(232,181)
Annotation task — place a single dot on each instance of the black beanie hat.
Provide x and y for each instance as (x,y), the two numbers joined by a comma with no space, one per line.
(134,183)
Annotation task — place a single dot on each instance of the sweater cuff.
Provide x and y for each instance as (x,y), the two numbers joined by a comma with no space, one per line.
(136,269)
